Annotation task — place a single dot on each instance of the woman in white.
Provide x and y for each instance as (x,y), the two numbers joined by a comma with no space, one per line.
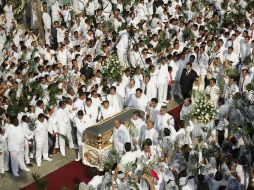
(41,139)
(15,139)
(197,87)
(81,124)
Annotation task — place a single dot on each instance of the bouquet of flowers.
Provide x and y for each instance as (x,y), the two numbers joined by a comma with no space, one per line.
(113,67)
(203,111)
(133,131)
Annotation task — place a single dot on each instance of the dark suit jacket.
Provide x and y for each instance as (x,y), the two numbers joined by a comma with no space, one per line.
(186,81)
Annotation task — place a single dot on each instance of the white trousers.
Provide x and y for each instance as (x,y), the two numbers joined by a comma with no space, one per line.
(4,161)
(41,150)
(162,92)
(17,161)
(80,151)
(69,136)
(62,145)
(47,36)
(26,152)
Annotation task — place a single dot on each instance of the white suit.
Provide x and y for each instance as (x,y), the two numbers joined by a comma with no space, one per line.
(162,83)
(81,125)
(41,140)
(115,101)
(4,154)
(62,122)
(15,140)
(28,136)
(47,26)
(120,137)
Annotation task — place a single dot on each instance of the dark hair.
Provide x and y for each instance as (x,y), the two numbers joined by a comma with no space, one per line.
(154,100)
(127,147)
(80,113)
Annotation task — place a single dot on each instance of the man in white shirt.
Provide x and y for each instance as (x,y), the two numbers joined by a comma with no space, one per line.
(214,91)
(15,140)
(91,111)
(232,57)
(245,79)
(47,24)
(150,133)
(62,122)
(163,120)
(154,109)
(81,124)
(162,81)
(185,108)
(79,104)
(120,136)
(106,110)
(139,101)
(115,100)
(41,139)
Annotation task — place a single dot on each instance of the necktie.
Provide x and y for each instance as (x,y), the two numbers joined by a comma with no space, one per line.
(145,91)
(242,84)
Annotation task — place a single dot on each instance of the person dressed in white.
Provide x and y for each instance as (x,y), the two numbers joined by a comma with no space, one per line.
(47,24)
(162,81)
(245,79)
(139,101)
(120,136)
(62,122)
(106,110)
(41,139)
(154,110)
(91,111)
(3,149)
(115,100)
(213,90)
(81,124)
(150,133)
(15,140)
(163,120)
(147,87)
(185,108)
(28,138)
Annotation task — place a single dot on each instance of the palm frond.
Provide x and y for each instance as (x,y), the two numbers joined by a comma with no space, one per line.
(41,184)
(67,141)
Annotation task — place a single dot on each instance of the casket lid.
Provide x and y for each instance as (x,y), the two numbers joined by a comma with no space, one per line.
(106,125)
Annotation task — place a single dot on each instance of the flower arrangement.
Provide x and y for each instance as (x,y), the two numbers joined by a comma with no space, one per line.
(113,67)
(203,111)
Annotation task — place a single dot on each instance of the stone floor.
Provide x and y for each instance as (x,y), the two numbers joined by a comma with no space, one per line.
(9,182)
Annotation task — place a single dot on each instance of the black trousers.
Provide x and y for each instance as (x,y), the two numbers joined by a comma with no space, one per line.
(53,139)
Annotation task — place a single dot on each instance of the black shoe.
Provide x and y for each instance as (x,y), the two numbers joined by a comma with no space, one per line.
(30,165)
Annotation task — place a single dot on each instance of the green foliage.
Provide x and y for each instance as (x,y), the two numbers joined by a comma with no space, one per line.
(248,60)
(110,160)
(113,68)
(133,131)
(19,8)
(212,26)
(67,141)
(32,124)
(41,184)
(163,43)
(233,73)
(187,34)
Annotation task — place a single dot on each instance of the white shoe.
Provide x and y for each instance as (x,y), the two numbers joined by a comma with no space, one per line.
(16,175)
(27,169)
(38,165)
(48,159)
(77,160)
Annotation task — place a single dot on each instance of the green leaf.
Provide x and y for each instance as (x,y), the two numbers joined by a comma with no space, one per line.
(41,184)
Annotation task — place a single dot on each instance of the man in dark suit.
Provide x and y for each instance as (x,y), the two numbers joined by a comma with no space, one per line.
(187,78)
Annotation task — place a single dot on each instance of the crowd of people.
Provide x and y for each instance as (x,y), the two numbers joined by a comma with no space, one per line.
(55,86)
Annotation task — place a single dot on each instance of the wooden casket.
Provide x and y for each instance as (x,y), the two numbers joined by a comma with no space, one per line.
(96,139)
